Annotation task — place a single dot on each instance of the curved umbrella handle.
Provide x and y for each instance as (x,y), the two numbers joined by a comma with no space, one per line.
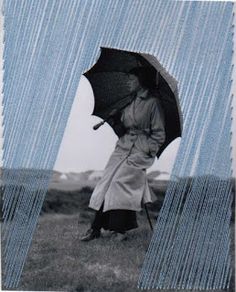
(95,127)
(113,112)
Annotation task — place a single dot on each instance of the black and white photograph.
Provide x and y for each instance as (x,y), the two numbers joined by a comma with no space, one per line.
(118,145)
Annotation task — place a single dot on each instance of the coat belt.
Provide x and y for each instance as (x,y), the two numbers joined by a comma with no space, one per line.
(134,132)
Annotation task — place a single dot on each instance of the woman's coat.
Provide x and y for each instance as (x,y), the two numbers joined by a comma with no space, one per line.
(124,183)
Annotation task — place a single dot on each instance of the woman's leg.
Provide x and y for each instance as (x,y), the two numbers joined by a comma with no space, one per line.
(118,221)
(98,221)
(96,225)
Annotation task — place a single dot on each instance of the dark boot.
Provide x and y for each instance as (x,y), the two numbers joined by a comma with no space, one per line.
(90,235)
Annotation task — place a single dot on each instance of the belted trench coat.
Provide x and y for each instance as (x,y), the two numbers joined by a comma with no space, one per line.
(124,183)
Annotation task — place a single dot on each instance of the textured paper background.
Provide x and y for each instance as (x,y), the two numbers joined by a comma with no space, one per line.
(234,126)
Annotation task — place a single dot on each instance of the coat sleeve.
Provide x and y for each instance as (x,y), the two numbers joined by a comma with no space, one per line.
(157,128)
(117,125)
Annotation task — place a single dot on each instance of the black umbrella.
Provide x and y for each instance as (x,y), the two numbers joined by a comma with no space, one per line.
(108,78)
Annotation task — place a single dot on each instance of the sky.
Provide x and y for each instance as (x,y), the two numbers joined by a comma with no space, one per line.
(83,149)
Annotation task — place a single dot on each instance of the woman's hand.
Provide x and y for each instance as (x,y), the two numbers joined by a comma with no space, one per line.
(157,136)
(153,147)
(117,125)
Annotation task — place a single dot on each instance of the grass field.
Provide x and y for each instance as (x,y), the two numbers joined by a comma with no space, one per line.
(58,261)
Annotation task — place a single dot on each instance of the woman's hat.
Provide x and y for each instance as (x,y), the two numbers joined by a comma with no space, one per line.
(146,75)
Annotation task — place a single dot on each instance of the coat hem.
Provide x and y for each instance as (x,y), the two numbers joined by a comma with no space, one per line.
(114,208)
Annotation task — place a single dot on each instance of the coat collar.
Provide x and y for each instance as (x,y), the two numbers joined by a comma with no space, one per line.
(143,94)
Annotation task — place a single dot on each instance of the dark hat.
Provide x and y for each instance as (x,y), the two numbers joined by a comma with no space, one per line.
(146,76)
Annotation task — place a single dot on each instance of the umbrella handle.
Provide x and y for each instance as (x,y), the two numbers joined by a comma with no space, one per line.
(95,127)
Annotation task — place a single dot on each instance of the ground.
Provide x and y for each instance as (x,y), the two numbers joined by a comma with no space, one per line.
(59,261)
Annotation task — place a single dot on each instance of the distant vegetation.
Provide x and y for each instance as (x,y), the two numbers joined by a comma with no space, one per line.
(69,193)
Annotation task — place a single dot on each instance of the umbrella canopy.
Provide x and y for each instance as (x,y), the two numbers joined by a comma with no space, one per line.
(108,78)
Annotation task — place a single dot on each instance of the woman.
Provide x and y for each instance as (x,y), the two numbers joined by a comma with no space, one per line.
(123,187)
